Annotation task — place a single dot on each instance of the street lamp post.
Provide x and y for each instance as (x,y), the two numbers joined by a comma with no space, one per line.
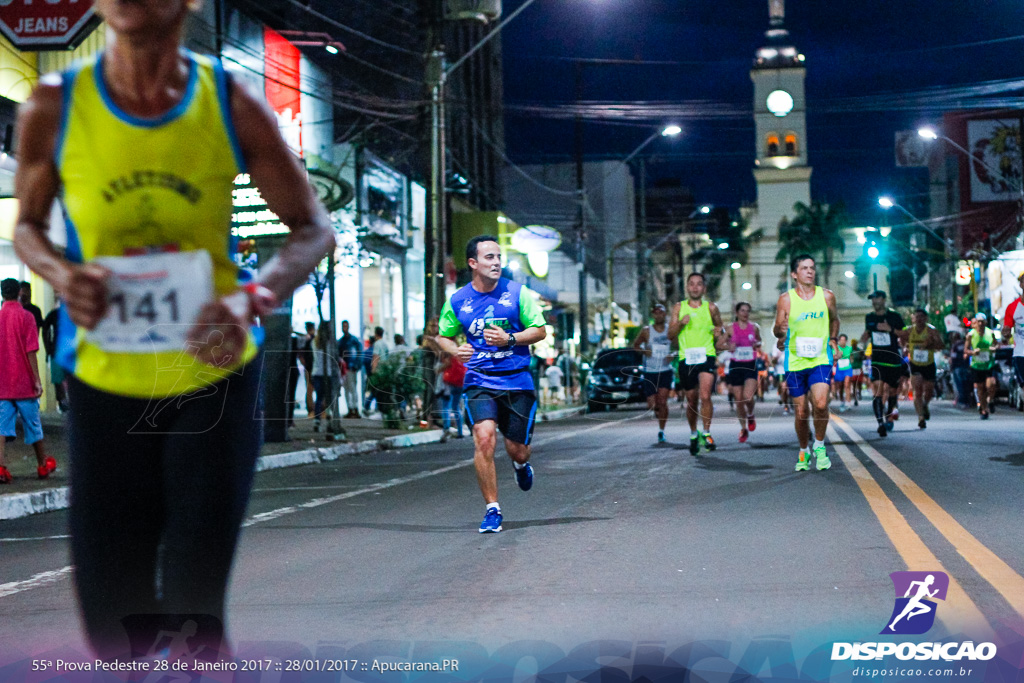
(888,203)
(438,73)
(669,131)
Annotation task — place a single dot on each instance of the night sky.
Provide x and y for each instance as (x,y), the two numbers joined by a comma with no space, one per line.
(853,49)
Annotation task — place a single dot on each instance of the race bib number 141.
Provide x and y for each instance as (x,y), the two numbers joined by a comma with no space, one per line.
(153,301)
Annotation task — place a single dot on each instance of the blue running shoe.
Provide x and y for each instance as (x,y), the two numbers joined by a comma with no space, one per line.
(492,522)
(889,426)
(524,477)
(661,437)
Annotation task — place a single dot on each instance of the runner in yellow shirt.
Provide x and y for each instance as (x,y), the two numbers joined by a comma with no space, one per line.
(807,327)
(697,324)
(922,341)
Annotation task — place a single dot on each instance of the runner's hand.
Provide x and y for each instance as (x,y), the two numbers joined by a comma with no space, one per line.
(495,336)
(781,343)
(86,294)
(835,351)
(37,387)
(220,334)
(685,320)
(465,353)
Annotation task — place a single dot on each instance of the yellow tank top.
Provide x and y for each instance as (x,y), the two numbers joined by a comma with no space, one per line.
(699,332)
(807,339)
(916,342)
(133,186)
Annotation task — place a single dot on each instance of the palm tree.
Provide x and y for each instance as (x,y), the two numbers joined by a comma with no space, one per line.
(816,230)
(715,261)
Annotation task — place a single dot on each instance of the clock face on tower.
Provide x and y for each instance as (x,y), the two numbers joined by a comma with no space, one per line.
(780,102)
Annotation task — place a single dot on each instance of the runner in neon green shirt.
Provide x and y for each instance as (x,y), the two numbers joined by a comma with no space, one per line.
(981,346)
(807,326)
(697,324)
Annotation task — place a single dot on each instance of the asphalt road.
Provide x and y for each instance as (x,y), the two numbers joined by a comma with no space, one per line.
(624,550)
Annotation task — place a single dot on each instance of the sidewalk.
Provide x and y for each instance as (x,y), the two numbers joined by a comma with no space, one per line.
(28,494)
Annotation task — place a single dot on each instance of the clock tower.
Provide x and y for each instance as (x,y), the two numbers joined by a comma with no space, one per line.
(781,171)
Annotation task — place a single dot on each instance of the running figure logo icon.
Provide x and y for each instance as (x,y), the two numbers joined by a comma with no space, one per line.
(914,612)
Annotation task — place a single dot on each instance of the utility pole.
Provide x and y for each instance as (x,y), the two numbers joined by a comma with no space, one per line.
(581,225)
(641,252)
(437,224)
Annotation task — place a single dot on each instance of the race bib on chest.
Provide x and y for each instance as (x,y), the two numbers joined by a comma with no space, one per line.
(920,356)
(743,353)
(696,356)
(809,347)
(153,301)
(880,338)
(982,357)
(659,351)
(843,364)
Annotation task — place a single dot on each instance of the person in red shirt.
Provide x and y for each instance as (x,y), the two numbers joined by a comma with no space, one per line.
(20,386)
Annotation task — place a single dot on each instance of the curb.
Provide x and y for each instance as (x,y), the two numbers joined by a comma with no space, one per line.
(16,505)
(562,413)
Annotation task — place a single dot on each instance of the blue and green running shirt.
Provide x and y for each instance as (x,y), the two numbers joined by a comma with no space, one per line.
(509,306)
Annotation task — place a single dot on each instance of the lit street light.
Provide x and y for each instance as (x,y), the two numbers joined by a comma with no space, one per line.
(888,203)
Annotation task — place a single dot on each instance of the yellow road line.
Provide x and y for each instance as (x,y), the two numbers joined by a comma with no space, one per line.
(959,614)
(1003,578)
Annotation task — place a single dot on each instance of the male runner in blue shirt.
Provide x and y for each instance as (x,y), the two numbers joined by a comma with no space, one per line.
(500,319)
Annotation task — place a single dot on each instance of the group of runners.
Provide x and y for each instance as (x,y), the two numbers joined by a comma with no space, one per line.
(142,144)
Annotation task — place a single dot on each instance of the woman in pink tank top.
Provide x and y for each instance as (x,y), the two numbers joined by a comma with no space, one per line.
(744,343)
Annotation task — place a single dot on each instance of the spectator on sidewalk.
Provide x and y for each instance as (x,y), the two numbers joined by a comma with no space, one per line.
(401,347)
(25,297)
(350,350)
(306,358)
(380,348)
(555,376)
(326,373)
(57,375)
(453,376)
(20,385)
(959,365)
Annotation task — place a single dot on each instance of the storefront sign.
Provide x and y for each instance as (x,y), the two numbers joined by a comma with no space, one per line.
(49,25)
(251,217)
(282,67)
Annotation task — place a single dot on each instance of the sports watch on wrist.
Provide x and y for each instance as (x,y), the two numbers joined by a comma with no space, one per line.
(511,341)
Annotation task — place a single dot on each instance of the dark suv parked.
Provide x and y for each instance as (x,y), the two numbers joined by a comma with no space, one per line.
(615,379)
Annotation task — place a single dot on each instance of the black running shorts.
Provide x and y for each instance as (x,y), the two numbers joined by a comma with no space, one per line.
(513,410)
(890,374)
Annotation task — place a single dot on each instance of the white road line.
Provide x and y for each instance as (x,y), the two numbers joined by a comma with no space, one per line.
(38,581)
(34,538)
(47,578)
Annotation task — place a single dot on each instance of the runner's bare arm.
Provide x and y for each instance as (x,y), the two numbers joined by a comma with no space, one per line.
(721,342)
(833,322)
(781,316)
(757,336)
(282,182)
(451,347)
(640,341)
(675,325)
(36,185)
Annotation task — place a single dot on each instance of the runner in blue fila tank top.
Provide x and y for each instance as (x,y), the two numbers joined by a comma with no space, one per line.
(500,320)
